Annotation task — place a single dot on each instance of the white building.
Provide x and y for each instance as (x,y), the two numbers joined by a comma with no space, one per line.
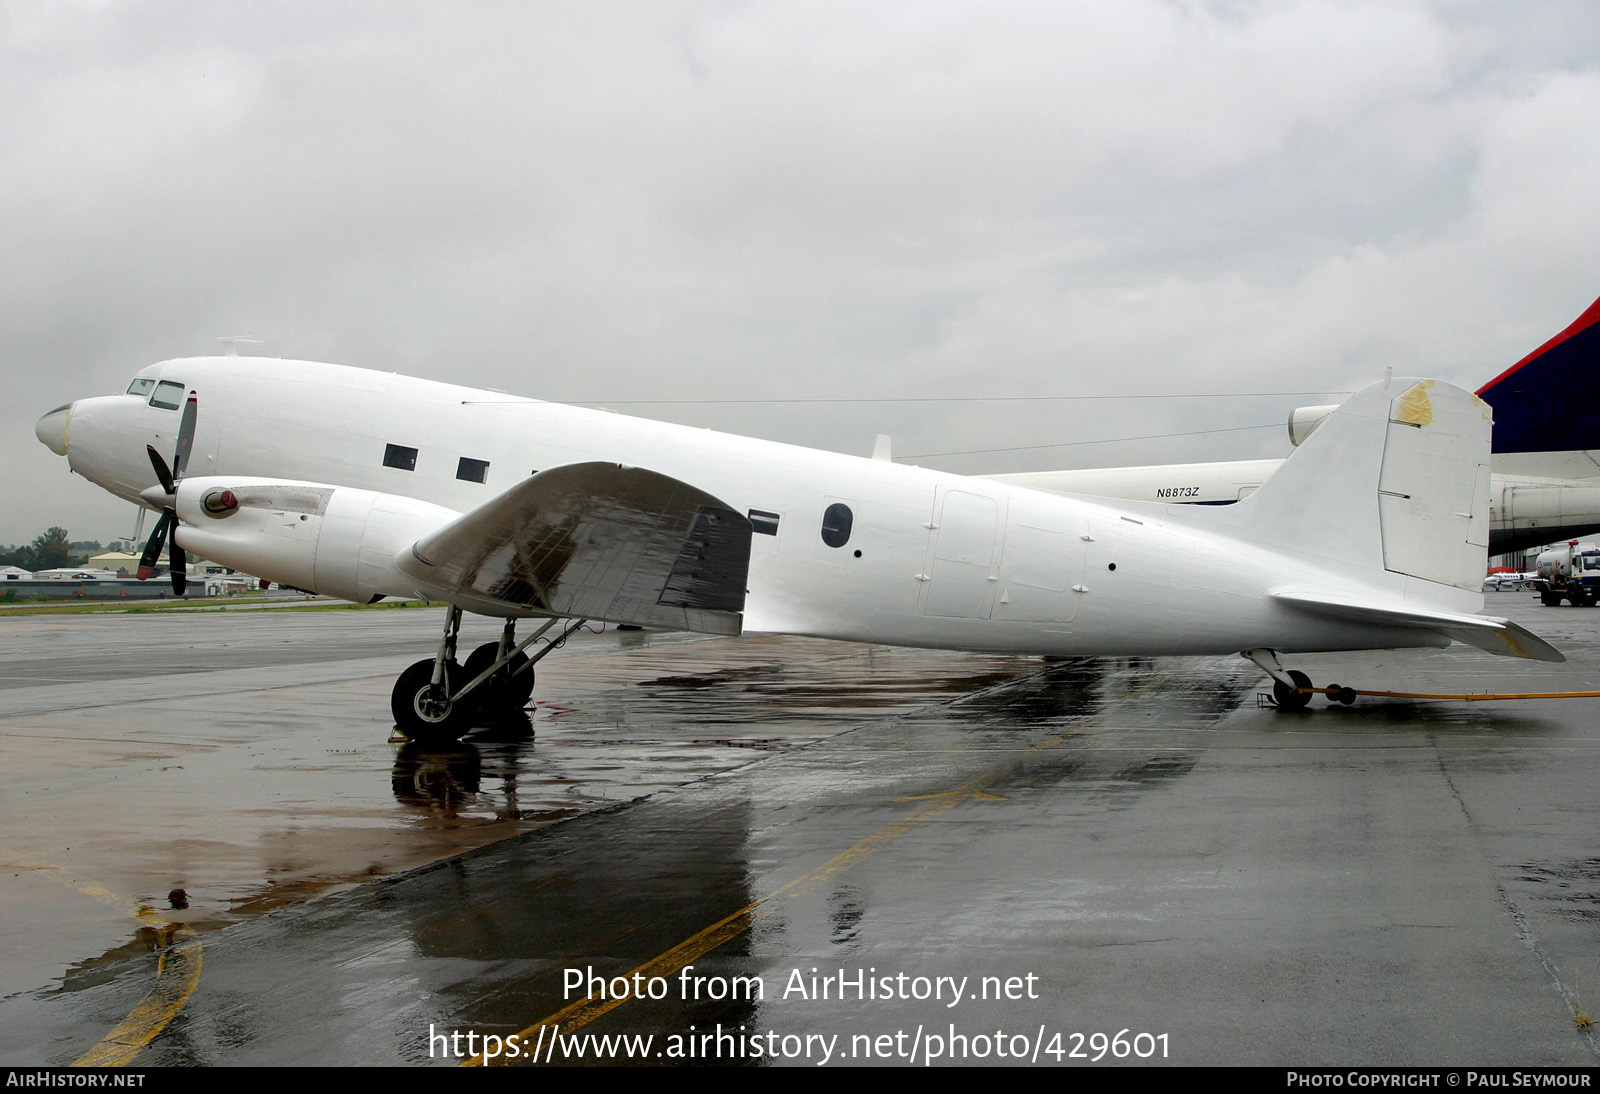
(115,561)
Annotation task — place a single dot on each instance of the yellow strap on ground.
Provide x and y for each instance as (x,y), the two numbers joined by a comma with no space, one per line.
(1469,697)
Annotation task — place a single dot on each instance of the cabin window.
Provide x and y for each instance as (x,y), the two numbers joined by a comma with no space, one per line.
(167,396)
(398,455)
(470,470)
(763,522)
(836,521)
(141,385)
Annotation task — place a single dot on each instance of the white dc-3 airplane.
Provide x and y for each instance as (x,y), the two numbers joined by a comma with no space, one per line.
(1545,486)
(362,484)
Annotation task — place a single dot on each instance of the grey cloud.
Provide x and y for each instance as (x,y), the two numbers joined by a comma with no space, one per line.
(609,201)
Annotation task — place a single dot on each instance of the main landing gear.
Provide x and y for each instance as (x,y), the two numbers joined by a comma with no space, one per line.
(439,699)
(1291,688)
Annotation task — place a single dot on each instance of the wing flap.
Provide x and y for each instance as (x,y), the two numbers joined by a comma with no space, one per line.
(596,541)
(1489,633)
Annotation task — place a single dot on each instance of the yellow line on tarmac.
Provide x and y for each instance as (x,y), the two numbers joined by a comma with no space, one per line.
(696,946)
(131,908)
(177,975)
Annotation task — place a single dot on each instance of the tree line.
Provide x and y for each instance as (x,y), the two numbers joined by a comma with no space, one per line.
(49,549)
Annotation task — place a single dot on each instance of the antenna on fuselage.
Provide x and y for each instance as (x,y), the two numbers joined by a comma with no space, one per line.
(230,343)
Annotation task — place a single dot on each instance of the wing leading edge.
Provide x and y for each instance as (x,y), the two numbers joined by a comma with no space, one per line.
(595,541)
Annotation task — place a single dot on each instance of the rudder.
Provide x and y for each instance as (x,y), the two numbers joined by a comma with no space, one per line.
(1396,479)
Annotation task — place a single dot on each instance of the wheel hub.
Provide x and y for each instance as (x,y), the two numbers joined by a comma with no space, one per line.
(432,704)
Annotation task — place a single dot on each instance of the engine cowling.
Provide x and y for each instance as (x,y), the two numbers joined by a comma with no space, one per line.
(1303,421)
(337,540)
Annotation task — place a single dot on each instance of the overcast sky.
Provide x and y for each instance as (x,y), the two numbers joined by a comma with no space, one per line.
(608,202)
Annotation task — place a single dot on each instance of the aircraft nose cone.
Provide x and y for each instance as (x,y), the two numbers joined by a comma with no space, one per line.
(52,429)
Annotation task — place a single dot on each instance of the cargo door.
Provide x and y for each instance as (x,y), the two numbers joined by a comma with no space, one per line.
(961,575)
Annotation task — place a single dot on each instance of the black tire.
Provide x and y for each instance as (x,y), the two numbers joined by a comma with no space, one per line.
(1294,698)
(1550,600)
(507,690)
(520,684)
(487,694)
(422,715)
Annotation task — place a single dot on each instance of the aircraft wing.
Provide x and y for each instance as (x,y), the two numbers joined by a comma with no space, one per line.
(1489,633)
(595,541)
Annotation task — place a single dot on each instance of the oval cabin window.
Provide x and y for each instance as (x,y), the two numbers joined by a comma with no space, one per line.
(836,521)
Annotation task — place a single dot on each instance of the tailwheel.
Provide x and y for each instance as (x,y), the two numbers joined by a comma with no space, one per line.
(1292,698)
(507,690)
(422,710)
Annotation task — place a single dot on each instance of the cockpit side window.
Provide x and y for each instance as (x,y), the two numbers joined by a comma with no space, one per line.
(141,385)
(168,395)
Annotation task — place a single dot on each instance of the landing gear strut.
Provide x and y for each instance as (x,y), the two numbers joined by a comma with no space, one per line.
(439,700)
(1291,688)
(422,700)
(509,684)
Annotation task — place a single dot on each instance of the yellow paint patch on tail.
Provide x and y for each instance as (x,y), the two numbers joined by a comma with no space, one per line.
(1414,407)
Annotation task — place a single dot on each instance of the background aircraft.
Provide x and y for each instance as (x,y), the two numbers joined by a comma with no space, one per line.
(1546,451)
(362,485)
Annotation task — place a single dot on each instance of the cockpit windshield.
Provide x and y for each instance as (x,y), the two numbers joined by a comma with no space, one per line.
(142,385)
(168,395)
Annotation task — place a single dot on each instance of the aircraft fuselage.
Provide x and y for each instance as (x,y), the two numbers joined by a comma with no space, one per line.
(844,547)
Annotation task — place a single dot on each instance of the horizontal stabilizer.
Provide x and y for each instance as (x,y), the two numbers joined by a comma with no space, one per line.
(596,541)
(1488,633)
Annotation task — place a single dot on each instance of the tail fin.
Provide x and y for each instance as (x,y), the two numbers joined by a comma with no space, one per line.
(1396,479)
(1550,400)
(1392,490)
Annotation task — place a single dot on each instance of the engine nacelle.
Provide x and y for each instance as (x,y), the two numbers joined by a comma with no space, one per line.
(335,540)
(1303,421)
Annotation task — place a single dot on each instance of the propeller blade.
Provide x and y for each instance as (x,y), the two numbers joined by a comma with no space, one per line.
(180,567)
(180,455)
(162,473)
(152,550)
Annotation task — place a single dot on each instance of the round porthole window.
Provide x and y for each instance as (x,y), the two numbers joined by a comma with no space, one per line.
(836,521)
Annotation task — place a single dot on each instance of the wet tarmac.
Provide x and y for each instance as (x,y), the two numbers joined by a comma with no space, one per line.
(846,847)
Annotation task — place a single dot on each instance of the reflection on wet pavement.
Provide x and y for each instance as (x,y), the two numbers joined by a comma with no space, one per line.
(1133,831)
(246,771)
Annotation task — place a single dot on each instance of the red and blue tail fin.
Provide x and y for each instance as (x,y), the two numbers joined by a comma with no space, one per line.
(1550,400)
